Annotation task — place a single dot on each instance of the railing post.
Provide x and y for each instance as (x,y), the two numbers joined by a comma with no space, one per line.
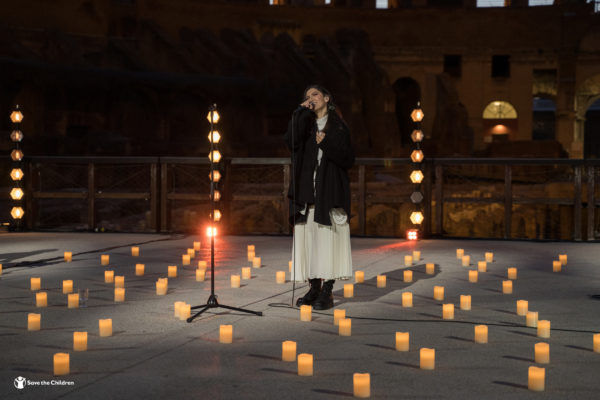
(577,203)
(362,198)
(286,203)
(91,197)
(164,189)
(154,222)
(507,201)
(591,206)
(439,199)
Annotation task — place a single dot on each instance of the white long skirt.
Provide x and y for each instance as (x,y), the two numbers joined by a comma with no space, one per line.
(321,251)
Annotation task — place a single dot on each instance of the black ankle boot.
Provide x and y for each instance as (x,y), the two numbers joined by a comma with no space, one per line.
(312,295)
(325,300)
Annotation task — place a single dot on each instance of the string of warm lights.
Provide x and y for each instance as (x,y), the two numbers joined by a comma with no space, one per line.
(16,173)
(214,137)
(416,176)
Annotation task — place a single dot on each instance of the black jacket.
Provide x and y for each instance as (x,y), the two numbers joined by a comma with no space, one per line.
(332,184)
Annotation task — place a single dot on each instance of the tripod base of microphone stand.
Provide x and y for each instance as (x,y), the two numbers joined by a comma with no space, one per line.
(213,303)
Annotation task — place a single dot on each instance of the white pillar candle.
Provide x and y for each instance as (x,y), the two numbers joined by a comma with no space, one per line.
(256,262)
(556,266)
(542,353)
(460,253)
(536,379)
(563,259)
(305,313)
(305,364)
(337,315)
(105,327)
(251,255)
(290,264)
(225,334)
(407,299)
(522,306)
(362,385)
(381,281)
(345,327)
(34,321)
(67,286)
(359,276)
(200,275)
(191,253)
(172,271)
(162,285)
(41,299)
(507,287)
(177,307)
(247,273)
(511,273)
(438,293)
(119,281)
(104,259)
(80,341)
(408,276)
(139,269)
(473,276)
(35,283)
(68,256)
(531,318)
(109,276)
(119,295)
(280,277)
(185,310)
(430,268)
(466,261)
(348,290)
(61,364)
(465,302)
(448,311)
(596,342)
(288,351)
(202,264)
(73,300)
(427,358)
(135,251)
(185,259)
(251,247)
(481,334)
(489,257)
(402,341)
(543,328)
(408,261)
(482,266)
(416,255)
(197,246)
(235,281)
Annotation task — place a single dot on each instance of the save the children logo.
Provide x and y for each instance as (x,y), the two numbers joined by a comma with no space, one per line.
(20,382)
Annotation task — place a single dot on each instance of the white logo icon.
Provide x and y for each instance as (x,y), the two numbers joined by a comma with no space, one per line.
(20,382)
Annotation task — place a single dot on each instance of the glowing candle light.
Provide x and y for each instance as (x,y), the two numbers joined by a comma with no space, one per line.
(251,247)
(61,364)
(68,256)
(105,327)
(427,358)
(407,299)
(305,364)
(465,302)
(225,334)
(536,379)
(460,253)
(119,295)
(135,251)
(235,281)
(0,269)
(556,266)
(481,334)
(73,300)
(280,277)
(177,307)
(337,315)
(507,287)
(438,293)
(80,341)
(191,253)
(362,385)
(473,276)
(416,255)
(348,290)
(109,276)
(34,321)
(596,342)
(290,264)
(41,299)
(563,259)
(543,328)
(35,283)
(197,246)
(482,266)
(139,269)
(288,351)
(67,286)
(251,255)
(172,271)
(522,306)
(256,262)
(512,273)
(162,285)
(542,353)
(430,268)
(489,257)
(119,281)
(247,273)
(381,281)
(402,341)
(448,311)
(104,259)
(408,276)
(185,310)
(531,319)
(305,313)
(359,276)
(408,261)
(200,275)
(345,327)
(185,259)
(202,264)
(466,261)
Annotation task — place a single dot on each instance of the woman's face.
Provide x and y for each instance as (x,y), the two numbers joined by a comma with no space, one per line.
(317,98)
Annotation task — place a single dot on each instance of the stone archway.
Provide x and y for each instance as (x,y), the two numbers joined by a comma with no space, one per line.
(586,95)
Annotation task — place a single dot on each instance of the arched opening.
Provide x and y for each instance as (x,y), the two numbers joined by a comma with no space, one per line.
(500,121)
(408,94)
(591,128)
(544,119)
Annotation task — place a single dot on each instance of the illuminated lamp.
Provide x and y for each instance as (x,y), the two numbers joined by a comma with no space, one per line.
(417,135)
(216,176)
(416,217)
(16,155)
(16,116)
(217,195)
(416,197)
(417,156)
(214,156)
(216,137)
(16,136)
(417,114)
(16,174)
(217,215)
(211,231)
(215,116)
(412,234)
(499,130)
(416,176)
(17,212)
(16,193)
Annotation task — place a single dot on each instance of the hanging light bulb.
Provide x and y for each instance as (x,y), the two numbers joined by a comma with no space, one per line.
(17,212)
(214,156)
(16,116)
(16,155)
(215,116)
(211,231)
(417,114)
(16,193)
(217,195)
(16,136)
(416,217)
(416,176)
(216,176)
(216,137)
(16,174)
(217,215)
(417,135)
(417,156)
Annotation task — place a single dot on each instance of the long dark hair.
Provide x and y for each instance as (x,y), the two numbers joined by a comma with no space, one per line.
(330,105)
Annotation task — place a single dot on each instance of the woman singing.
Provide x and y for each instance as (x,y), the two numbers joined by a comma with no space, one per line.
(320,196)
